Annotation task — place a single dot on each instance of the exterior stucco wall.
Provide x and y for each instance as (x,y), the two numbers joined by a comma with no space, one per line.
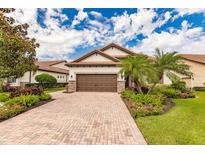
(96,58)
(198,71)
(114,51)
(25,78)
(94,70)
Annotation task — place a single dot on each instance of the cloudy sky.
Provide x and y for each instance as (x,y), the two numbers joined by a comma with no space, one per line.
(69,33)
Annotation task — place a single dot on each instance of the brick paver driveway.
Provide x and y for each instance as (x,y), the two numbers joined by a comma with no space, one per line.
(77,118)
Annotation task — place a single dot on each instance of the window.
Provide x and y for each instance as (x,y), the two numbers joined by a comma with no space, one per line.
(11,80)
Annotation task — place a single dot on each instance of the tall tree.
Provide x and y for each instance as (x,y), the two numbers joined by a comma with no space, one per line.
(17,51)
(170,62)
(138,69)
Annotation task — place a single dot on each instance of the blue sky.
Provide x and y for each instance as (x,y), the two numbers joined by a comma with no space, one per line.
(70,33)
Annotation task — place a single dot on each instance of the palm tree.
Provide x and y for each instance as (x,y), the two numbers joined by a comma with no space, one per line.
(138,69)
(170,62)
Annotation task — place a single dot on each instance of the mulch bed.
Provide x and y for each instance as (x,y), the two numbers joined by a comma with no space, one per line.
(29,108)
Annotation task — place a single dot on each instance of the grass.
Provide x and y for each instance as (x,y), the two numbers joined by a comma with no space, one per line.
(183,124)
(49,90)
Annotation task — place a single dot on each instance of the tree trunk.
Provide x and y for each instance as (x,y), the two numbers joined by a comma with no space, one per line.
(138,87)
(130,82)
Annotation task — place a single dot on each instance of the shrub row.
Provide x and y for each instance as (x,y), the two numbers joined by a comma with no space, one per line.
(21,103)
(199,88)
(26,91)
(56,85)
(170,92)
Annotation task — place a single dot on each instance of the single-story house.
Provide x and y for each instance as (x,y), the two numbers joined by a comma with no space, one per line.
(55,68)
(98,70)
(197,67)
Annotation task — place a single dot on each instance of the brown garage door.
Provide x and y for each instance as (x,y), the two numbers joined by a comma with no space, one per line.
(97,82)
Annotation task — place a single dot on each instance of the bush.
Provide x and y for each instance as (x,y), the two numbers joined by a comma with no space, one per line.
(46,80)
(26,91)
(180,85)
(8,88)
(45,96)
(199,88)
(170,93)
(24,100)
(4,97)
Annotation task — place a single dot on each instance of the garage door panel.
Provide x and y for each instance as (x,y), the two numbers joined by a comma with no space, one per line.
(97,82)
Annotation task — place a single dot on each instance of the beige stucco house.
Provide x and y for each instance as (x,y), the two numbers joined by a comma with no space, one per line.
(98,70)
(197,67)
(55,68)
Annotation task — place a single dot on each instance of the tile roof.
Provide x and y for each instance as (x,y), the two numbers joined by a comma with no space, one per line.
(47,66)
(194,57)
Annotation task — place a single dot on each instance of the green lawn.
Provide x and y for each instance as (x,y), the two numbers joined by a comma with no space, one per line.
(49,90)
(183,124)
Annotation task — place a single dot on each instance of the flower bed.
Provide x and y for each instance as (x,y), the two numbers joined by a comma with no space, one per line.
(21,101)
(141,105)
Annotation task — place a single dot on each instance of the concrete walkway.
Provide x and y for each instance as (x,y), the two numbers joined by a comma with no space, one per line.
(77,118)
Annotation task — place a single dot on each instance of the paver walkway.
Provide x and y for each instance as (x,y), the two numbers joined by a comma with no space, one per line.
(77,118)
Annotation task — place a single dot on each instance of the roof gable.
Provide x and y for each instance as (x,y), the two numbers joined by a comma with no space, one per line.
(116,50)
(96,56)
(194,57)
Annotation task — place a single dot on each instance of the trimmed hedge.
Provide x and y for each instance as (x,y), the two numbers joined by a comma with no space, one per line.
(199,88)
(56,85)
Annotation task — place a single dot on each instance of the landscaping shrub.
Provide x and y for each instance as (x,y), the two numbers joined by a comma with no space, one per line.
(199,88)
(45,96)
(4,97)
(170,93)
(8,88)
(180,85)
(46,80)
(27,91)
(24,100)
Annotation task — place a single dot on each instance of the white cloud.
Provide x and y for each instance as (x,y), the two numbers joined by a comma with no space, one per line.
(79,17)
(184,41)
(96,14)
(57,42)
(188,11)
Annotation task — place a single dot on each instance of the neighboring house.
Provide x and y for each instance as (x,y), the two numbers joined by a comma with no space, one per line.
(197,67)
(98,70)
(55,68)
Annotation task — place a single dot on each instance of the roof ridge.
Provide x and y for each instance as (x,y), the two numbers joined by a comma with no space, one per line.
(95,51)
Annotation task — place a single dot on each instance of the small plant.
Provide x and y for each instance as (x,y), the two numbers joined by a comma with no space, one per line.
(45,96)
(46,80)
(10,110)
(4,97)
